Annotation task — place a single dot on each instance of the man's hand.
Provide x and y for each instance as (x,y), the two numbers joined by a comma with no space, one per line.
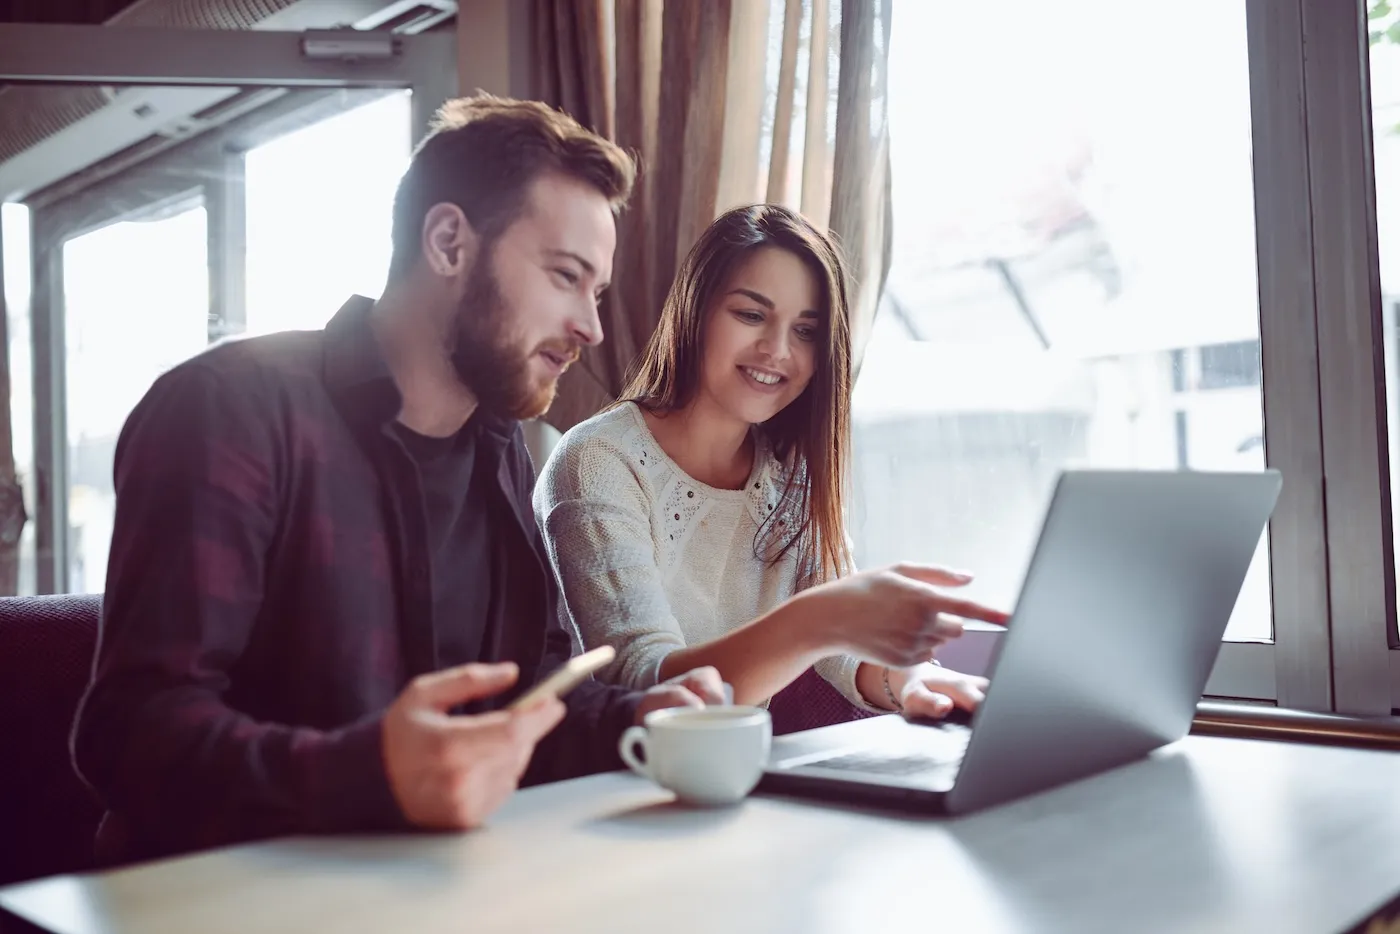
(452,772)
(931,691)
(695,688)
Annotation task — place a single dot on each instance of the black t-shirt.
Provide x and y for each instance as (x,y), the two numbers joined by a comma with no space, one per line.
(457,503)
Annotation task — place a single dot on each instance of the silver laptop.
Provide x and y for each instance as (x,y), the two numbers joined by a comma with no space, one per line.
(1116,630)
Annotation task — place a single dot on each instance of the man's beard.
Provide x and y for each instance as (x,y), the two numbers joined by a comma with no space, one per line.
(494,368)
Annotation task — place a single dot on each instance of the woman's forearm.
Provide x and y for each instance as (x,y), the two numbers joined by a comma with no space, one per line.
(760,658)
(870,682)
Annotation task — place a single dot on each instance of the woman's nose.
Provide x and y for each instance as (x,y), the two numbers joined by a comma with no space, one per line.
(775,345)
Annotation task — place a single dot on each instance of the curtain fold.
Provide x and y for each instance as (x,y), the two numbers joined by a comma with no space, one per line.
(861,215)
(723,102)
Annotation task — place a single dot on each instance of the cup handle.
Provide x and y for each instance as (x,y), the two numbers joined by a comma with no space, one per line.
(634,737)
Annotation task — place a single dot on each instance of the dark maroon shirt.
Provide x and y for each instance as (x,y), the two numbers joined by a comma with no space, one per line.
(269,593)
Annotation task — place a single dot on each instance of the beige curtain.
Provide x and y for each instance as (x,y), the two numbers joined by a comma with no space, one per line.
(725,102)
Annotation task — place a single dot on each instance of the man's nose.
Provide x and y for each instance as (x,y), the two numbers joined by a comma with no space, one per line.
(588,326)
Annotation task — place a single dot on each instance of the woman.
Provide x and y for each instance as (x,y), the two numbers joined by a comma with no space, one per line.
(699,520)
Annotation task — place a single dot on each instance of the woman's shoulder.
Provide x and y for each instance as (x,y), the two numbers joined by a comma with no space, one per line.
(604,450)
(612,427)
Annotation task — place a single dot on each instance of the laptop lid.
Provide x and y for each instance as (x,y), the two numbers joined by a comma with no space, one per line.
(1117,627)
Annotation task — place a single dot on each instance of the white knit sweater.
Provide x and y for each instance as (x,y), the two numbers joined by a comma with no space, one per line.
(650,560)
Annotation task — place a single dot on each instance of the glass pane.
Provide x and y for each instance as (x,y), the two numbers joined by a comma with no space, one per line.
(146,277)
(14,231)
(1385,110)
(135,185)
(319,204)
(1074,274)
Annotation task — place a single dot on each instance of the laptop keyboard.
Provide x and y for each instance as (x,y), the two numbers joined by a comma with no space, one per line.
(942,758)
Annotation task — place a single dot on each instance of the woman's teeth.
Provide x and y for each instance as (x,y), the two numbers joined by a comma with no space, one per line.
(767,379)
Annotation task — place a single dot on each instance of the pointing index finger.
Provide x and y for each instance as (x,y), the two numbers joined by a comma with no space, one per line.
(967,609)
(933,575)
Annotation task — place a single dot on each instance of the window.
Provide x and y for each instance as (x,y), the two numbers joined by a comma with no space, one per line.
(319,201)
(16,259)
(315,233)
(1074,274)
(267,221)
(147,275)
(1162,250)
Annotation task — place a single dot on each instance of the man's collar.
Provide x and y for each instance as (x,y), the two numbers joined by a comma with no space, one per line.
(357,371)
(353,356)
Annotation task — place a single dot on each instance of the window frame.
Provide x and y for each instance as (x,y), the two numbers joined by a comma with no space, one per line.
(1323,378)
(1351,354)
(208,167)
(1331,574)
(1293,435)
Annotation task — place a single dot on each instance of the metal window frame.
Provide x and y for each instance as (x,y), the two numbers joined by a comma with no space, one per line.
(57,54)
(1324,217)
(208,167)
(1351,347)
(1323,395)
(1294,670)
(62,54)
(1293,436)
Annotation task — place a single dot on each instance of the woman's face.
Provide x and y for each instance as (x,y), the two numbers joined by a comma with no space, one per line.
(762,334)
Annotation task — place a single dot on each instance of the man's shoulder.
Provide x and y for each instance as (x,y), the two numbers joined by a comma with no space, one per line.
(253,381)
(287,356)
(260,368)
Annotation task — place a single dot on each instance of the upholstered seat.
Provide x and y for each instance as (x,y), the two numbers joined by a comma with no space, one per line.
(48,815)
(809,702)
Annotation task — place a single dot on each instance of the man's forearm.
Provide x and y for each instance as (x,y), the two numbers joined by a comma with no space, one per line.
(183,769)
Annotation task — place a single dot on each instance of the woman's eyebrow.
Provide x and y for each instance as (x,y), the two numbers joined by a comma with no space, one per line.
(759,297)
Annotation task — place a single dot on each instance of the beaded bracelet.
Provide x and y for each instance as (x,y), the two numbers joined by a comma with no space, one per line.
(889,692)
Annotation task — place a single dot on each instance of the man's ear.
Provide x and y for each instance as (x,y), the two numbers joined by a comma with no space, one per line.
(449,241)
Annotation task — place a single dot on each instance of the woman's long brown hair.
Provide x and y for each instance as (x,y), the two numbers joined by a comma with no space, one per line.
(812,434)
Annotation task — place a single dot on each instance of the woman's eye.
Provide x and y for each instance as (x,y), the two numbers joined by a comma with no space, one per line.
(752,317)
(569,276)
(807,334)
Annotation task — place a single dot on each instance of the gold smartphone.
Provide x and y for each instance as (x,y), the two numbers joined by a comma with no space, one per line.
(566,677)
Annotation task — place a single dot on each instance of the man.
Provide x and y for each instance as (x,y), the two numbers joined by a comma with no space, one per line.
(325,580)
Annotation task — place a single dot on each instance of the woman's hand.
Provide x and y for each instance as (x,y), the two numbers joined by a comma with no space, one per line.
(930,691)
(699,687)
(898,616)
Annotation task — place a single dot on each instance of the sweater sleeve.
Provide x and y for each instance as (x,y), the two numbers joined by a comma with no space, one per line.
(597,714)
(839,671)
(596,518)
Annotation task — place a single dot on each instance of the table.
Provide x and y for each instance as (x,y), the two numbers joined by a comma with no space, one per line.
(1207,835)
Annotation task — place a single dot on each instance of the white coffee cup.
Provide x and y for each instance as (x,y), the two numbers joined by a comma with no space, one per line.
(709,755)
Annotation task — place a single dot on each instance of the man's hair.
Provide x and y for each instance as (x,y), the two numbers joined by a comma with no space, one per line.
(483,153)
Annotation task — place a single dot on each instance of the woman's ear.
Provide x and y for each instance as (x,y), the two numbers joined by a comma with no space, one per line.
(449,241)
